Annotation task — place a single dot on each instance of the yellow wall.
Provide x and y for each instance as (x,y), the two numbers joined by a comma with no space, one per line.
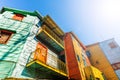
(79,52)
(94,72)
(102,63)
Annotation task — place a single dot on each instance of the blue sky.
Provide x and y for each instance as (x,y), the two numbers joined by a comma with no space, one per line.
(91,20)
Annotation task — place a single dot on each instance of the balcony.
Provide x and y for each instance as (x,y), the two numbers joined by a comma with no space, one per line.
(49,64)
(50,38)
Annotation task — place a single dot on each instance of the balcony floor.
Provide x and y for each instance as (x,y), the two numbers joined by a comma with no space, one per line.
(47,69)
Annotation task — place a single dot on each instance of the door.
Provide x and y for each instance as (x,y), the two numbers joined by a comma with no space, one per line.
(40,53)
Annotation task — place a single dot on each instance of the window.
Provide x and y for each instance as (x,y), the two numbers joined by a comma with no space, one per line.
(97,62)
(18,17)
(112,45)
(84,60)
(78,58)
(88,53)
(4,36)
(85,63)
(38,24)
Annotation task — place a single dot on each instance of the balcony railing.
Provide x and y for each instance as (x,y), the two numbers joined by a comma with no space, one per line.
(53,35)
(51,62)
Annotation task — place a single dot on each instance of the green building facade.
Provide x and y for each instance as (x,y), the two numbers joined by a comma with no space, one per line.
(18,30)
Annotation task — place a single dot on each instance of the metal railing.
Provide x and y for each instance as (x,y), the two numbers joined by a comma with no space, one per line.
(56,63)
(52,61)
(45,28)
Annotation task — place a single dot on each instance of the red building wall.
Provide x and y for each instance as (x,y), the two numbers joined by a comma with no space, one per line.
(72,64)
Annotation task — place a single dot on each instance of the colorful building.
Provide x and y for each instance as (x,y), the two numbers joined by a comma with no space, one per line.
(105,56)
(93,73)
(31,46)
(76,58)
(77,62)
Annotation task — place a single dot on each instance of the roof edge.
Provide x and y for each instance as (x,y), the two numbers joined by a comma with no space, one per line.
(35,13)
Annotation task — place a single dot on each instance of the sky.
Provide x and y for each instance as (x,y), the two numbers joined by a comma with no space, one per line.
(91,20)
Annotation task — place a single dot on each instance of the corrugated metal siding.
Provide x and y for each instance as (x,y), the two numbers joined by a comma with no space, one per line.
(112,54)
(5,68)
(20,70)
(12,50)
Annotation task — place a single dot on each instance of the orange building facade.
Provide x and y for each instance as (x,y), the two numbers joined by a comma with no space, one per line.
(100,61)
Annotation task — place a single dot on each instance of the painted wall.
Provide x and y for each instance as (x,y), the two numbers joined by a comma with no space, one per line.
(99,60)
(76,58)
(14,54)
(112,51)
(93,73)
(71,61)
(79,53)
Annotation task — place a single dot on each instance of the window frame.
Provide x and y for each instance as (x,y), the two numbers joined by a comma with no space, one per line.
(112,45)
(7,32)
(18,17)
(78,57)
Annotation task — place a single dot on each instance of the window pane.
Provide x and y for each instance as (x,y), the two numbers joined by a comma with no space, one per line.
(78,57)
(18,17)
(4,36)
(88,53)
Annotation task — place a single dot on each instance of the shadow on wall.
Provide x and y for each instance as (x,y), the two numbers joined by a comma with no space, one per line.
(35,73)
(15,45)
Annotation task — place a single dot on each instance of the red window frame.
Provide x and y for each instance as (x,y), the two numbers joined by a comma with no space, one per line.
(3,33)
(18,17)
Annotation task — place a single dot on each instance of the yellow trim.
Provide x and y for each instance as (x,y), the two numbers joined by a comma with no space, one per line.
(51,22)
(30,63)
(36,61)
(52,38)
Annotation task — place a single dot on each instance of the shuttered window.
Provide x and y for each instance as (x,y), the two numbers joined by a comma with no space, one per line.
(5,36)
(18,17)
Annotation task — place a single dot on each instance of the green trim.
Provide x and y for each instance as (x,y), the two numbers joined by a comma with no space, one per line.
(8,30)
(35,13)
